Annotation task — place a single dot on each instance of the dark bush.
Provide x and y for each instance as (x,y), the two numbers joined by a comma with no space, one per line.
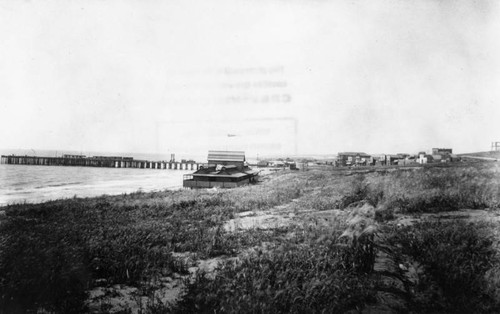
(39,268)
(456,256)
(51,253)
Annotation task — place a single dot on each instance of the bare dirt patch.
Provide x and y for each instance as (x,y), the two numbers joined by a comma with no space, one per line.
(259,220)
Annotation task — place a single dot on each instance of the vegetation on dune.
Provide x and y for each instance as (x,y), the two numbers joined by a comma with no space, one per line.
(438,189)
(448,264)
(52,253)
(308,272)
(413,190)
(289,280)
(452,259)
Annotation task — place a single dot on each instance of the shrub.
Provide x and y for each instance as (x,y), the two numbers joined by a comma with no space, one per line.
(434,189)
(456,256)
(41,269)
(53,252)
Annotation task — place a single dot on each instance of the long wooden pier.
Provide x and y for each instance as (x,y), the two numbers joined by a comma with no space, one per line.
(97,161)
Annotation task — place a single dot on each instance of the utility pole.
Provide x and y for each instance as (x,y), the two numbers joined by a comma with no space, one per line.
(495,146)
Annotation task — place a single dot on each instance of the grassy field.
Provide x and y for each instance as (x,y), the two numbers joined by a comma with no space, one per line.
(343,250)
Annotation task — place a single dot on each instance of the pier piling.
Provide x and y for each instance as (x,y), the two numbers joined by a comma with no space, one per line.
(96,161)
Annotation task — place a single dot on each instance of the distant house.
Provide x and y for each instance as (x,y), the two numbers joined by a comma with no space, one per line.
(262,163)
(353,159)
(437,158)
(378,159)
(302,166)
(442,151)
(446,158)
(454,157)
(406,161)
(438,155)
(392,159)
(277,163)
(424,158)
(330,162)
(442,154)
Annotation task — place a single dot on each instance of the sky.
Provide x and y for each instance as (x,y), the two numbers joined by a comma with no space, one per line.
(267,77)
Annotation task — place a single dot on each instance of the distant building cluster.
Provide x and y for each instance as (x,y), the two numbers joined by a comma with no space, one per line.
(352,159)
(358,159)
(438,155)
(278,163)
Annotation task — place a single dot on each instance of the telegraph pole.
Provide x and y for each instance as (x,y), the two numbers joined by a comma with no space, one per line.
(495,146)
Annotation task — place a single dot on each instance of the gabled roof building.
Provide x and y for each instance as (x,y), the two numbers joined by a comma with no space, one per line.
(225,169)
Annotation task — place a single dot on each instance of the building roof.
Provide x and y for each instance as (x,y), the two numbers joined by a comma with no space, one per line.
(217,155)
(217,175)
(224,172)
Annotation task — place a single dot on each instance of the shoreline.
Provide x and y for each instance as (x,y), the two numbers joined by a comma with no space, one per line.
(34,184)
(89,196)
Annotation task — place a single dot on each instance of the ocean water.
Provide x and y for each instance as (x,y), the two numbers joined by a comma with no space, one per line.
(31,184)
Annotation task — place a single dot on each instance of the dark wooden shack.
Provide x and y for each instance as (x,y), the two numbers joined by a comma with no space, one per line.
(225,169)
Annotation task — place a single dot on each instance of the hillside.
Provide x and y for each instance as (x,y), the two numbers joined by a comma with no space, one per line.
(487,155)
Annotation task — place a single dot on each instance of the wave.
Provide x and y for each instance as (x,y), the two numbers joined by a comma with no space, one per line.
(58,185)
(25,192)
